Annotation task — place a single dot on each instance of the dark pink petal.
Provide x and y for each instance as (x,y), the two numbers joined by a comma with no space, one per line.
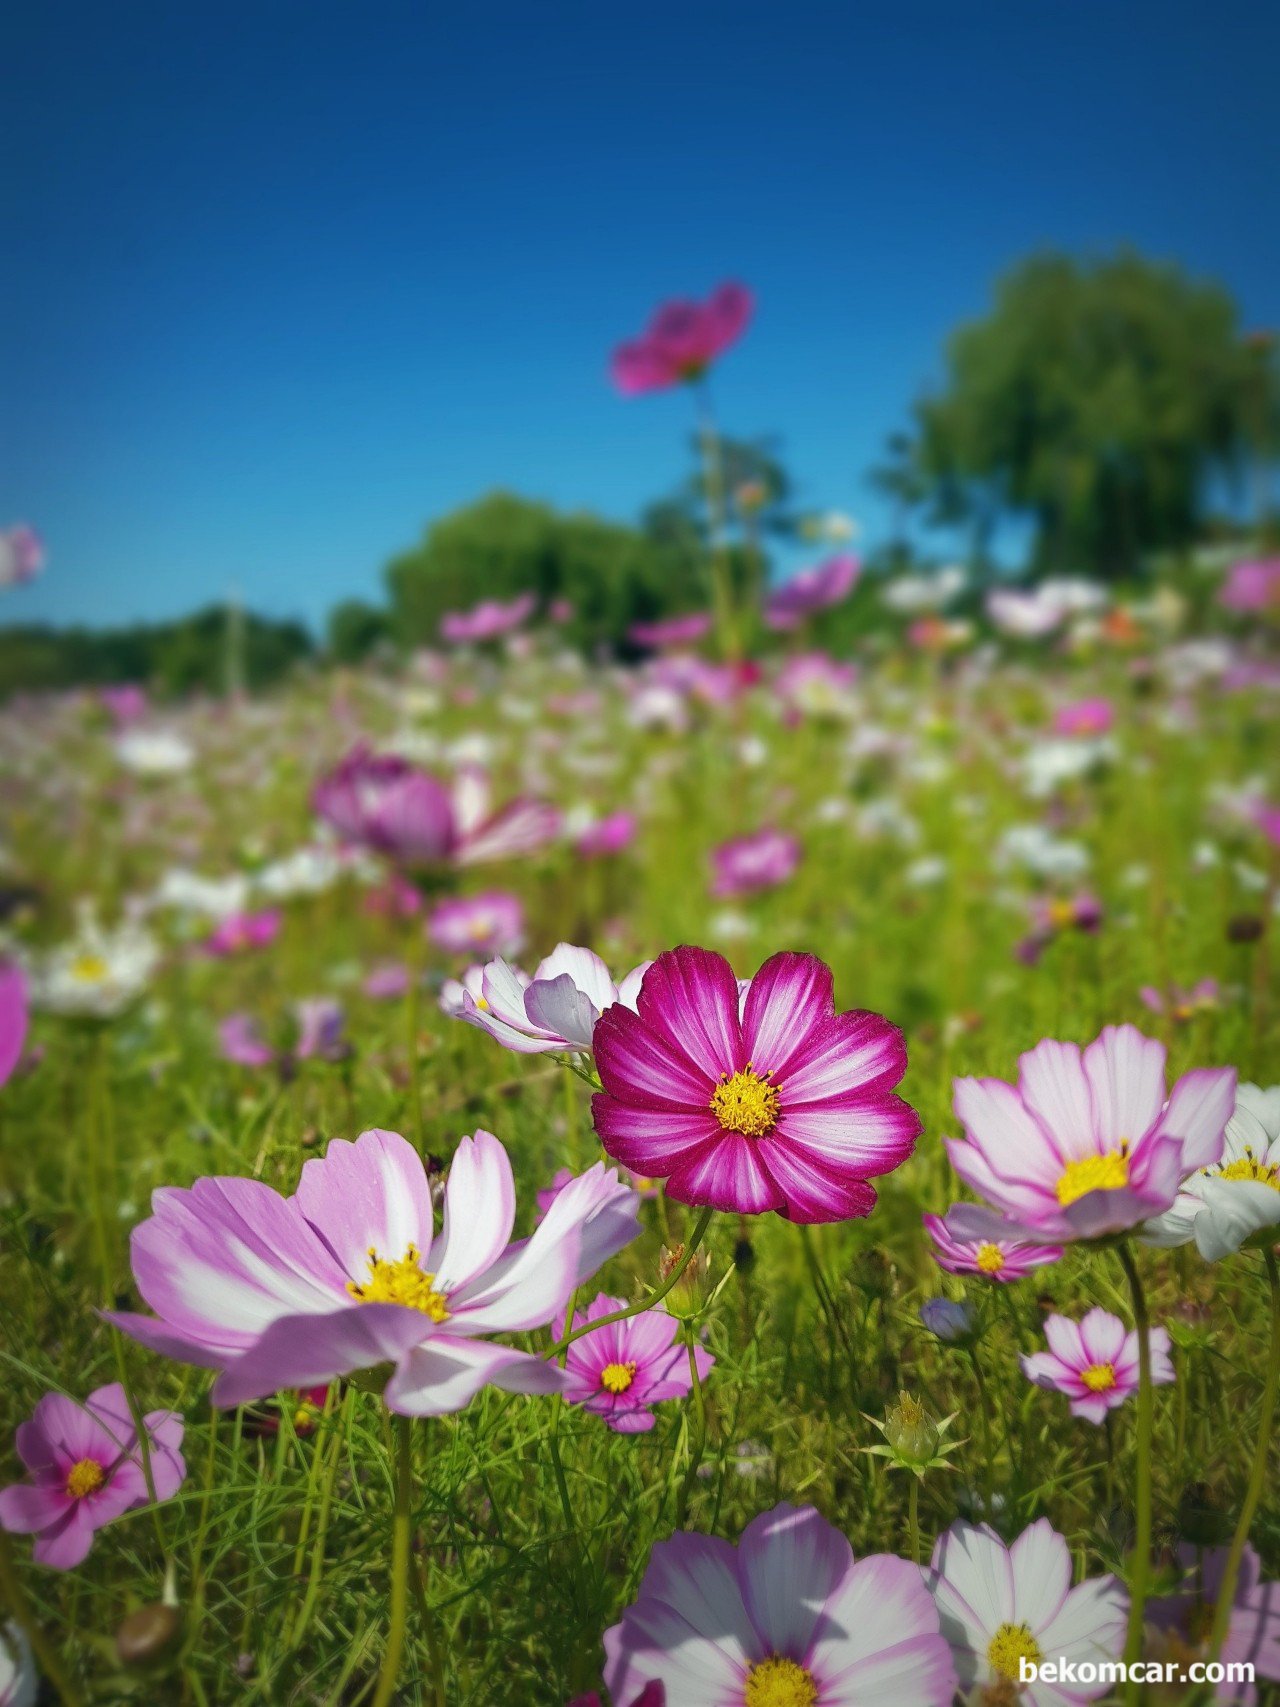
(639,1066)
(13,1019)
(726,1175)
(28,1507)
(854,1052)
(816,1189)
(790,996)
(870,1136)
(690,998)
(650,1141)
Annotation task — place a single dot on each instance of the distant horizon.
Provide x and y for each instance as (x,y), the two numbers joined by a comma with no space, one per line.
(289,291)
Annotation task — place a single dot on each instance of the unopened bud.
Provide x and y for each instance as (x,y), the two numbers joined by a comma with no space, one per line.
(910,1432)
(147,1634)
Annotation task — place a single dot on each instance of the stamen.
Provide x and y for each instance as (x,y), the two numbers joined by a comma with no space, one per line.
(746,1103)
(617,1377)
(402,1282)
(1099,1377)
(85,1477)
(990,1259)
(778,1682)
(1107,1172)
(1011,1643)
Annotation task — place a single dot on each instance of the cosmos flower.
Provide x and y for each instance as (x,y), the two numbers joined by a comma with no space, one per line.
(21,555)
(124,703)
(652,1695)
(314,1032)
(811,591)
(779,1104)
(1095,1362)
(489,620)
(1185,1618)
(747,864)
(1252,588)
(971,1240)
(606,836)
(1236,1198)
(1182,1004)
(911,594)
(672,631)
(1025,615)
(492,923)
(13,1019)
(348,1274)
(241,931)
(1086,1144)
(385,804)
(619,1371)
(84,1468)
(551,1013)
(816,685)
(999,1605)
(948,1319)
(681,341)
(1084,717)
(97,974)
(787,1618)
(154,752)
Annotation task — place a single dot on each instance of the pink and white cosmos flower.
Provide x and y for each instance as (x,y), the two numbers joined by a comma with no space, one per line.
(385,804)
(489,620)
(492,923)
(810,591)
(981,1247)
(348,1274)
(551,1013)
(1086,1143)
(21,555)
(756,1101)
(1000,1605)
(1095,1362)
(746,865)
(619,1371)
(85,1469)
(786,1616)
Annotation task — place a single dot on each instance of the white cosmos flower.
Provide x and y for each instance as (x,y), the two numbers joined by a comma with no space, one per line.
(1049,764)
(1040,852)
(204,897)
(154,752)
(97,973)
(1222,1206)
(551,1013)
(999,1605)
(910,594)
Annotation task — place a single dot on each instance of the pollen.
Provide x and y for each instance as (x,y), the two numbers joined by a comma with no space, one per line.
(778,1682)
(990,1259)
(1010,1644)
(89,969)
(1099,1377)
(617,1377)
(1250,1167)
(85,1477)
(1107,1172)
(402,1282)
(746,1102)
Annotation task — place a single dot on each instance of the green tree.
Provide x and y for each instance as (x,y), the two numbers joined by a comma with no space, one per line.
(503,546)
(355,628)
(1101,400)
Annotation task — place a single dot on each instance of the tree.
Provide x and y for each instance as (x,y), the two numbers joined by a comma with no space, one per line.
(1100,400)
(355,628)
(504,545)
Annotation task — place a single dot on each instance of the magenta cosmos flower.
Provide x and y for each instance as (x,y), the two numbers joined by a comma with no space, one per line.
(747,864)
(672,631)
(1000,1605)
(810,591)
(787,1618)
(619,1371)
(1251,588)
(385,804)
(1253,1635)
(492,923)
(348,1274)
(13,1019)
(239,932)
(489,620)
(1086,1144)
(1095,1362)
(781,1104)
(85,1469)
(606,836)
(1084,717)
(963,1245)
(681,341)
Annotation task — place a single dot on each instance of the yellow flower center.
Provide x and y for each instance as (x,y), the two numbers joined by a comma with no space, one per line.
(746,1102)
(1099,1377)
(89,969)
(402,1282)
(1108,1172)
(1010,1644)
(617,1377)
(990,1259)
(1061,914)
(776,1682)
(1249,1167)
(86,1477)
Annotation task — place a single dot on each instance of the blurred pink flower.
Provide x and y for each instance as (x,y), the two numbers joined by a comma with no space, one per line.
(1084,717)
(488,924)
(386,982)
(13,1019)
(241,931)
(1252,587)
(681,341)
(746,865)
(810,591)
(672,631)
(21,555)
(607,835)
(125,703)
(1182,1004)
(489,620)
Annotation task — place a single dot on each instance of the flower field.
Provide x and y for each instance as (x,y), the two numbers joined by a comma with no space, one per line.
(390,1456)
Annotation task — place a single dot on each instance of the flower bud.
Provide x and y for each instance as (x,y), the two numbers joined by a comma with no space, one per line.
(950,1320)
(909,1431)
(147,1634)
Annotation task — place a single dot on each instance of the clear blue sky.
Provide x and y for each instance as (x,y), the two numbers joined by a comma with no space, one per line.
(282,282)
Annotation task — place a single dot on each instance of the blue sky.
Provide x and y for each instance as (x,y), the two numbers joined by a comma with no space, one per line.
(283,282)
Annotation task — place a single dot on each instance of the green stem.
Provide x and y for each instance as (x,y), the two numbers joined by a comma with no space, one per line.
(1140,1570)
(1257,1475)
(984,1411)
(913,1519)
(698,1442)
(713,483)
(411,1008)
(645,1303)
(390,1672)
